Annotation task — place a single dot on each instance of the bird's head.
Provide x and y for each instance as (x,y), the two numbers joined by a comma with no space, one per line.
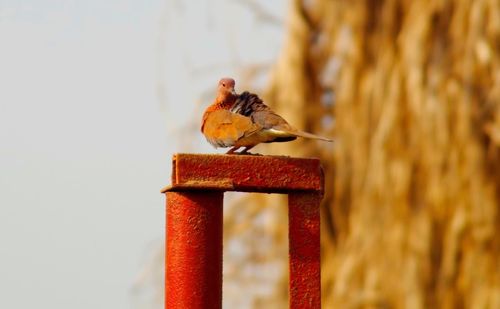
(226,87)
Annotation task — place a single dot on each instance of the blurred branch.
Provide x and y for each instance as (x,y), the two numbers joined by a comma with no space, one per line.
(161,47)
(261,13)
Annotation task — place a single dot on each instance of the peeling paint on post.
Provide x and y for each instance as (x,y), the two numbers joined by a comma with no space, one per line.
(194,223)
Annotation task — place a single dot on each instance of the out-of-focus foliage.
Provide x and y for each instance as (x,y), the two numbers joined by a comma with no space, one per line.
(410,90)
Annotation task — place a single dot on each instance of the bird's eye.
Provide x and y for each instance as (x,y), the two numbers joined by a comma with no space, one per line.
(223,85)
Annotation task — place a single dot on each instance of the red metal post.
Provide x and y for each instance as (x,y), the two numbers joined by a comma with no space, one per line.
(304,249)
(194,250)
(194,223)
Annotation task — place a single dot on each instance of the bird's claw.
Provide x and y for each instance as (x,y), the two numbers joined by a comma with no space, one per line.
(247,153)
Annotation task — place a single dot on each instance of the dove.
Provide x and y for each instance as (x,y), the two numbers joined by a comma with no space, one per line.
(243,120)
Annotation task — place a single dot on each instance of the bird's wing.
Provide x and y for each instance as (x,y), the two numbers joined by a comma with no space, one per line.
(250,105)
(223,128)
(276,125)
(270,120)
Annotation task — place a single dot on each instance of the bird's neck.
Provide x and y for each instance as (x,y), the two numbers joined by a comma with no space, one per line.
(225,101)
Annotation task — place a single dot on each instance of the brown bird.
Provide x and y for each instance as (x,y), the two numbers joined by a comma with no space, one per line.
(243,120)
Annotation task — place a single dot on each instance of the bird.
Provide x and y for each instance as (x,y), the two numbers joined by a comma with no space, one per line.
(243,120)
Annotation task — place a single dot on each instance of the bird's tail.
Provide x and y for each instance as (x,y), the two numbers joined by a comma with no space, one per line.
(309,135)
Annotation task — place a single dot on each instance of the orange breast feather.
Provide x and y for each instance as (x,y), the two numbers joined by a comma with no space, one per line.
(224,128)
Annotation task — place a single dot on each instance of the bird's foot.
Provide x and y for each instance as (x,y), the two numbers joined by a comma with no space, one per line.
(246,149)
(232,150)
(247,153)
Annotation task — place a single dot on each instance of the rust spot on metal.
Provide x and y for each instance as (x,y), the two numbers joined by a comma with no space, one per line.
(193,185)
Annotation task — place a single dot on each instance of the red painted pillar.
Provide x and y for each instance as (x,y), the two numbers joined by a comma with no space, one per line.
(194,250)
(304,249)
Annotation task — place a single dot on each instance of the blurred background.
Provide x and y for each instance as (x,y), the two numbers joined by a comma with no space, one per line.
(95,97)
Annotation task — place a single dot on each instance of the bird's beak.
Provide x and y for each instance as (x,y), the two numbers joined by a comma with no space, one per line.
(233,91)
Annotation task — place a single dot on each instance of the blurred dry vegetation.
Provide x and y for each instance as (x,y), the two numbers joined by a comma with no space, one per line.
(410,91)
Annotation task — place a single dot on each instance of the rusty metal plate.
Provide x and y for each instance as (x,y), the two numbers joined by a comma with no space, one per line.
(247,173)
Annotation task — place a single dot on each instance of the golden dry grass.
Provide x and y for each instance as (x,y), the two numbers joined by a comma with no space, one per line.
(410,90)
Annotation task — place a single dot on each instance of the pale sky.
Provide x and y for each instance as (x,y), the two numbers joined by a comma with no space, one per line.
(95,97)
